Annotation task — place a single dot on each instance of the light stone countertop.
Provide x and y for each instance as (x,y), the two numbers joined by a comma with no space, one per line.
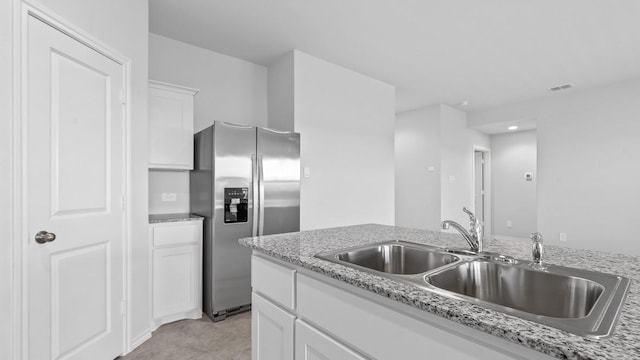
(163,218)
(300,248)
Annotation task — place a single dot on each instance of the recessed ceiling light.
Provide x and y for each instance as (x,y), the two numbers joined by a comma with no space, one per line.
(561,87)
(513,127)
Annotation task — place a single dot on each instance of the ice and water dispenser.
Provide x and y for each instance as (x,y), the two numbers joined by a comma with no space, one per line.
(236,205)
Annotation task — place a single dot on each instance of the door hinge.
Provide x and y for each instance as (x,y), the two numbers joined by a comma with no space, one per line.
(123,202)
(123,308)
(123,98)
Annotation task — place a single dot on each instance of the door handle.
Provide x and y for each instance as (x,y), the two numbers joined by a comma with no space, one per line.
(44,237)
(254,194)
(261,192)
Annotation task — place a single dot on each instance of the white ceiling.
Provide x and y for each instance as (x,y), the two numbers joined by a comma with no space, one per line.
(488,52)
(500,127)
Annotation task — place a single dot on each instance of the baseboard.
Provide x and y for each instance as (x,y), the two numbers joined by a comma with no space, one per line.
(509,238)
(192,314)
(139,341)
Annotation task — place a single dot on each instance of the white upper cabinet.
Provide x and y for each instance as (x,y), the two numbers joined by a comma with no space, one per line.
(170,126)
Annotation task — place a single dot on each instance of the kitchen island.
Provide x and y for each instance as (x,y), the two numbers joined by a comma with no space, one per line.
(477,328)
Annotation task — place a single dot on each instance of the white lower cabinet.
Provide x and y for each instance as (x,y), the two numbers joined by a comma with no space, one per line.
(312,344)
(271,330)
(176,271)
(334,320)
(274,319)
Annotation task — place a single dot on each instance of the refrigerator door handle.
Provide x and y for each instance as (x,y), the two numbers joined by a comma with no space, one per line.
(261,196)
(254,194)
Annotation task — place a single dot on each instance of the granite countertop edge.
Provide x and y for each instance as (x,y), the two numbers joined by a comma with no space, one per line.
(176,217)
(299,249)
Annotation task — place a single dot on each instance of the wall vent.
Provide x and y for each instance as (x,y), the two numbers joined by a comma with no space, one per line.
(561,87)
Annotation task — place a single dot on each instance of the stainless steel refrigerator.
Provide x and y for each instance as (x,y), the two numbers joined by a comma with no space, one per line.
(245,182)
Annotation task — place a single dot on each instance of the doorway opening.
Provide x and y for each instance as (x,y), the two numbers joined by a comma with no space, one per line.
(481,195)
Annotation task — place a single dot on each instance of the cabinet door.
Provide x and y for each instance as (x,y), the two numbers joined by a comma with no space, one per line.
(176,281)
(312,344)
(170,127)
(271,331)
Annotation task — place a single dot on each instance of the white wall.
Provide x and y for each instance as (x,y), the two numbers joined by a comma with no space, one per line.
(168,182)
(434,136)
(417,148)
(457,164)
(346,124)
(281,93)
(123,26)
(514,198)
(231,90)
(588,151)
(6,216)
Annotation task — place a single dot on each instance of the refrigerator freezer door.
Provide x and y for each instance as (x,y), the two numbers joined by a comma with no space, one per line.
(224,167)
(279,172)
(233,150)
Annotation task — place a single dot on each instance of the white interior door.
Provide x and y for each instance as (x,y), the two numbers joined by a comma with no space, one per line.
(74,161)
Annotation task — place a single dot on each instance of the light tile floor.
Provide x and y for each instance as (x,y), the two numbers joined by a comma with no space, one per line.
(201,339)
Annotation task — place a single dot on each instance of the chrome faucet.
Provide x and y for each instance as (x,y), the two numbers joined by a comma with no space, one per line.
(537,250)
(473,236)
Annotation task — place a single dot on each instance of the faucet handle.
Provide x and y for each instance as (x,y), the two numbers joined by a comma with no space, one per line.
(472,216)
(536,237)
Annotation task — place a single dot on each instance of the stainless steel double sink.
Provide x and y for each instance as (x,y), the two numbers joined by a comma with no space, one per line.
(586,303)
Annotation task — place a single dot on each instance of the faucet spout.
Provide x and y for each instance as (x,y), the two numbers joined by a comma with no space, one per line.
(474,236)
(473,243)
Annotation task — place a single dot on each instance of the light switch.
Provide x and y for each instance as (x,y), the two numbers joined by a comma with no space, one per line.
(306,172)
(508,224)
(431,168)
(562,237)
(452,178)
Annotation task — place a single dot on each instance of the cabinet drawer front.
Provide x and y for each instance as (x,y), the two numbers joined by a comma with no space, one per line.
(178,233)
(273,281)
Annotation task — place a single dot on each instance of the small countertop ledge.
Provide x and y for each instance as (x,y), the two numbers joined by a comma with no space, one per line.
(299,249)
(164,218)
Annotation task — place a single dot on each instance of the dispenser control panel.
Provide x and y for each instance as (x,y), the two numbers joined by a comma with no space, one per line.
(236,205)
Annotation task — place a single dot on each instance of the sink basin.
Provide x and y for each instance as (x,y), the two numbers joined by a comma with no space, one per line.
(535,292)
(396,257)
(582,302)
